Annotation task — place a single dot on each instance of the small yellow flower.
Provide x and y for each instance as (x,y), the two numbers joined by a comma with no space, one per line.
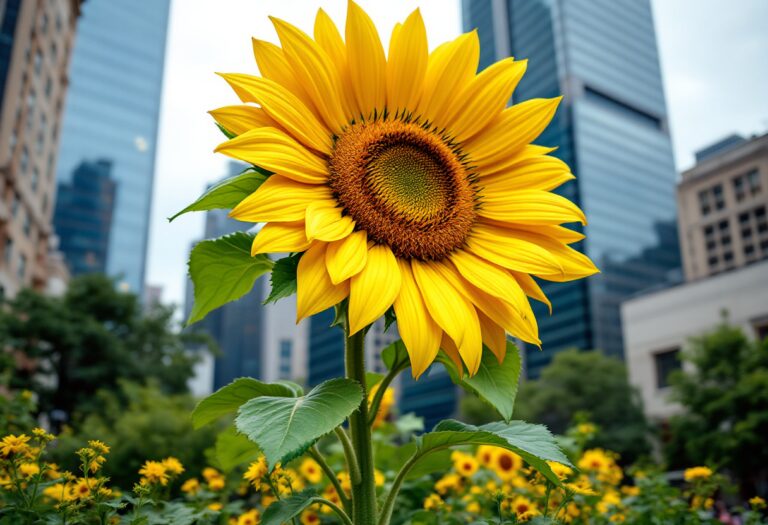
(506,463)
(473,507)
(630,491)
(153,473)
(610,501)
(447,483)
(433,502)
(581,486)
(56,492)
(464,464)
(252,517)
(560,470)
(486,455)
(309,517)
(209,473)
(13,444)
(345,482)
(215,506)
(378,478)
(27,470)
(41,434)
(757,503)
(311,471)
(256,471)
(697,473)
(81,489)
(585,429)
(191,486)
(216,484)
(523,508)
(173,466)
(699,502)
(100,447)
(96,463)
(331,495)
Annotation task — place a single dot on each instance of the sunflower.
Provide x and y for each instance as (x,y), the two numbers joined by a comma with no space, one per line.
(405,181)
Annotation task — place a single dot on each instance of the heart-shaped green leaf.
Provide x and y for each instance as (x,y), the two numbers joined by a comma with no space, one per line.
(228,193)
(284,428)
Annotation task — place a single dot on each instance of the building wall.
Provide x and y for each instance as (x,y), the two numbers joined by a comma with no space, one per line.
(723,202)
(36,37)
(113,112)
(664,322)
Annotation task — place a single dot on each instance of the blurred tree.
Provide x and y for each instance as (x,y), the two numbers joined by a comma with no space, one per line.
(725,395)
(139,422)
(593,386)
(66,348)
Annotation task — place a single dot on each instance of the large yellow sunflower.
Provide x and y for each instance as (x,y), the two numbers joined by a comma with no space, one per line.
(406,181)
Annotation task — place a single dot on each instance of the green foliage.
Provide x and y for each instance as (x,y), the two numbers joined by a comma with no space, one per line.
(534,443)
(16,411)
(285,510)
(227,193)
(152,425)
(588,383)
(725,396)
(88,340)
(494,383)
(285,428)
(283,278)
(234,449)
(229,398)
(222,270)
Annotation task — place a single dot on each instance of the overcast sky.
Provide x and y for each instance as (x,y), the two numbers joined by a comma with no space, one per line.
(714,57)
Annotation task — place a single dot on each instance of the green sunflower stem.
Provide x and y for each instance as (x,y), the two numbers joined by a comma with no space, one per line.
(363,492)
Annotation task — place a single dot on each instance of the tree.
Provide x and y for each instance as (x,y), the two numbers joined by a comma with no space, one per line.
(724,392)
(593,385)
(67,348)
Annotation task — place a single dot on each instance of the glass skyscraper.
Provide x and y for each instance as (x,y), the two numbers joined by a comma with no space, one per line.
(612,130)
(112,112)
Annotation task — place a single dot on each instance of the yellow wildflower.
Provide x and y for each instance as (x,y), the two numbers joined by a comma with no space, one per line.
(447,483)
(385,405)
(464,464)
(153,472)
(209,473)
(757,503)
(331,495)
(610,501)
(560,470)
(100,447)
(252,517)
(523,508)
(42,435)
(506,463)
(378,478)
(27,470)
(433,502)
(311,471)
(215,506)
(191,486)
(585,429)
(630,491)
(697,473)
(13,444)
(173,466)
(309,517)
(216,484)
(485,455)
(256,471)
(57,491)
(345,482)
(81,489)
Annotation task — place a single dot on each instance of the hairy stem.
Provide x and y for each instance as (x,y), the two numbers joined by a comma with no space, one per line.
(331,477)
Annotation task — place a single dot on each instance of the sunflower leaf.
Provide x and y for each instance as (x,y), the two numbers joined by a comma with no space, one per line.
(284,510)
(283,278)
(495,383)
(395,355)
(534,443)
(222,270)
(284,428)
(233,449)
(229,398)
(227,193)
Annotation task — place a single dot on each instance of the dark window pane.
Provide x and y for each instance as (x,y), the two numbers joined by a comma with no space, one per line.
(666,363)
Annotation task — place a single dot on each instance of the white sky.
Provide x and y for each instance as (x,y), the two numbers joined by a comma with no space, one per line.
(714,58)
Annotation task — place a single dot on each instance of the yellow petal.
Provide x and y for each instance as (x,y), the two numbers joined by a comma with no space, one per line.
(506,163)
(346,257)
(315,291)
(450,349)
(543,173)
(420,333)
(273,65)
(450,309)
(280,199)
(509,250)
(367,65)
(532,288)
(373,290)
(559,233)
(275,151)
(484,98)
(494,336)
(324,222)
(239,119)
(517,126)
(407,63)
(329,39)
(575,264)
(315,72)
(450,67)
(278,237)
(529,207)
(284,107)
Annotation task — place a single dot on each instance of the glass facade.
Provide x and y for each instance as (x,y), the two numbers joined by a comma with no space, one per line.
(83,216)
(325,349)
(611,129)
(112,111)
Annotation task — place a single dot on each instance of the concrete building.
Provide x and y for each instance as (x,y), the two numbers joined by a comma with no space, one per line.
(658,325)
(36,39)
(722,203)
(724,239)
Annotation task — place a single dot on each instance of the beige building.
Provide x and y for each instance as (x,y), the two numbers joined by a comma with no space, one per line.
(34,59)
(724,246)
(722,205)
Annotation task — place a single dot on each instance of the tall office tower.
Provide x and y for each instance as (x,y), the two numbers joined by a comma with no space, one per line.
(612,130)
(83,216)
(255,340)
(35,42)
(112,113)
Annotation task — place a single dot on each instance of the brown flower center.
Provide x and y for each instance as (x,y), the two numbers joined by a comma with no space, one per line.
(405,186)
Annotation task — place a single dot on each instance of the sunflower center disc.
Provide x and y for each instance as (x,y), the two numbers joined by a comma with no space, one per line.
(405,187)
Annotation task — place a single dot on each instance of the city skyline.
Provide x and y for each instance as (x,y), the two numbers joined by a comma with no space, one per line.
(691,87)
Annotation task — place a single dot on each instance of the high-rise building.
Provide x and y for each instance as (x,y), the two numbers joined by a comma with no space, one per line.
(612,130)
(255,340)
(722,202)
(83,216)
(112,113)
(35,43)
